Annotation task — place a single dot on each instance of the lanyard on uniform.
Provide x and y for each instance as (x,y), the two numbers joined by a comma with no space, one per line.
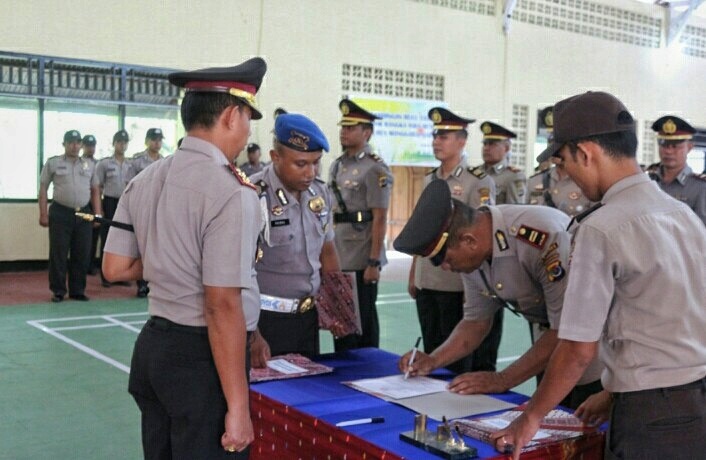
(494,295)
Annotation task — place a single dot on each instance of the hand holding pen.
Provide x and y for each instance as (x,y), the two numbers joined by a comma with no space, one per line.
(411,358)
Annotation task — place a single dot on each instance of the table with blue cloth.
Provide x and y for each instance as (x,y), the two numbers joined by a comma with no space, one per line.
(296,418)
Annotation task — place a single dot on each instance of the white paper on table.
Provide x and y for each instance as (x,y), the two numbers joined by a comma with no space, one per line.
(501,423)
(396,387)
(284,366)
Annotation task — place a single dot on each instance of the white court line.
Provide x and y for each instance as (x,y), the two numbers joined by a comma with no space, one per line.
(75,318)
(384,296)
(121,324)
(80,346)
(388,302)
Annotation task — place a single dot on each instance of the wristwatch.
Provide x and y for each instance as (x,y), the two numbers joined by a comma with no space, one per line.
(374,263)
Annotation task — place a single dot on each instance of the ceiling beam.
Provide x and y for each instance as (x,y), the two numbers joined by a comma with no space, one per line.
(677,19)
(507,14)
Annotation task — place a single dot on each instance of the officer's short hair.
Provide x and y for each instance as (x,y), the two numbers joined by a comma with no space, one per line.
(203,108)
(616,145)
(463,216)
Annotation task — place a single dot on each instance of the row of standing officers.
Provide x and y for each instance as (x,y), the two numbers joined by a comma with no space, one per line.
(196,241)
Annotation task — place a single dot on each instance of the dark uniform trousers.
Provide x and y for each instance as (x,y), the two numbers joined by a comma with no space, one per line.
(367,296)
(486,355)
(94,261)
(663,423)
(174,381)
(110,205)
(439,312)
(69,248)
(290,332)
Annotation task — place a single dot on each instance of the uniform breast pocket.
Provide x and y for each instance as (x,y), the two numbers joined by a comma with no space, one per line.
(280,236)
(111,172)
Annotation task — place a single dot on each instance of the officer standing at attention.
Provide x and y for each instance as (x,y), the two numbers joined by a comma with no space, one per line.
(297,244)
(253,164)
(645,254)
(196,220)
(111,176)
(512,257)
(438,293)
(511,188)
(140,161)
(673,175)
(88,151)
(362,184)
(553,187)
(69,236)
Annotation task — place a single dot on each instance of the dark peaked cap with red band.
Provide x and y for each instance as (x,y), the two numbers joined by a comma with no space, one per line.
(241,81)
(426,232)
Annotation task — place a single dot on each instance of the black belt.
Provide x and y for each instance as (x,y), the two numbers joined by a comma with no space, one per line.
(69,208)
(697,384)
(353,217)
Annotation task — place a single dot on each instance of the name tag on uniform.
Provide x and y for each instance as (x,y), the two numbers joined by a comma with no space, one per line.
(279,222)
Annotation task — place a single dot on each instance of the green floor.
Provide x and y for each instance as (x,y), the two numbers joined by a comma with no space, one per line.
(63,396)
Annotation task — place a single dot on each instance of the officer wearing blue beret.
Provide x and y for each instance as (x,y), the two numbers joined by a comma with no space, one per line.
(196,219)
(297,240)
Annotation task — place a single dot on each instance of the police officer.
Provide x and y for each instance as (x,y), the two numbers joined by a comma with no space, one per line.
(111,176)
(645,255)
(88,150)
(511,257)
(253,164)
(196,220)
(673,175)
(298,242)
(552,186)
(510,182)
(69,237)
(361,183)
(140,161)
(438,293)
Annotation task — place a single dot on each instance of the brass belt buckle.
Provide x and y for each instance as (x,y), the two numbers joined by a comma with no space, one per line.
(306,304)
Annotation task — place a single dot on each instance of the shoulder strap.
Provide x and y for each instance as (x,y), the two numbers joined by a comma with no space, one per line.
(334,186)
(547,194)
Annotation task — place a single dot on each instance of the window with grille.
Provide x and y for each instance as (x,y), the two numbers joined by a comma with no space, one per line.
(391,82)
(486,7)
(693,41)
(520,117)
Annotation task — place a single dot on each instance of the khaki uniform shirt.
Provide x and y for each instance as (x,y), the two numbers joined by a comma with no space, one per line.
(140,161)
(510,183)
(688,188)
(249,169)
(528,270)
(645,256)
(112,176)
(71,178)
(195,224)
(565,195)
(291,261)
(472,187)
(365,182)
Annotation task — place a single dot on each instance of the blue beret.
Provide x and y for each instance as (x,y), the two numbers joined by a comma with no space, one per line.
(299,133)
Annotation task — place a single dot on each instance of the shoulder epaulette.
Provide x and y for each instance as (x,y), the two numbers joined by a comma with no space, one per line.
(477,171)
(701,176)
(241,176)
(513,169)
(539,173)
(532,236)
(320,180)
(375,156)
(432,171)
(261,186)
(579,217)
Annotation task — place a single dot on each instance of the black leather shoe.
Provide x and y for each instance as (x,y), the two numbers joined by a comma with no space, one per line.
(79,297)
(57,298)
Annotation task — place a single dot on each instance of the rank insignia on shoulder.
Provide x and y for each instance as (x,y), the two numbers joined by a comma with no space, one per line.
(282,197)
(262,186)
(240,175)
(375,157)
(501,240)
(478,172)
(700,176)
(382,181)
(531,236)
(513,169)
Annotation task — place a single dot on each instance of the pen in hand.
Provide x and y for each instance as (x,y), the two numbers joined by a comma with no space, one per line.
(411,358)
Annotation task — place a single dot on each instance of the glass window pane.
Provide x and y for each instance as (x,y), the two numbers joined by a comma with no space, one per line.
(139,119)
(18,156)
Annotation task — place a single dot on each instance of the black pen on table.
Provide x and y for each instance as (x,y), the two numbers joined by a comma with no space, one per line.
(411,358)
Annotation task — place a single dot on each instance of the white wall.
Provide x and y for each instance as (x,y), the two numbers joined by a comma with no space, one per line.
(305,43)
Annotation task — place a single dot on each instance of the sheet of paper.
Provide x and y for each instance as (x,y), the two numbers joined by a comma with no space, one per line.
(284,366)
(396,387)
(501,423)
(453,405)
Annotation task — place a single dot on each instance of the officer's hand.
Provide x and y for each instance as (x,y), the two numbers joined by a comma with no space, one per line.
(238,431)
(44,220)
(516,436)
(259,351)
(412,289)
(595,409)
(479,382)
(423,363)
(371,275)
